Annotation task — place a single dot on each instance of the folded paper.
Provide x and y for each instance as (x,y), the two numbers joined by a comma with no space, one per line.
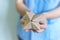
(27,22)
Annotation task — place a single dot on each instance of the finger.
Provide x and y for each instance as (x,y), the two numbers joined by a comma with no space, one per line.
(38,31)
(41,23)
(43,26)
(26,30)
(34,29)
(41,30)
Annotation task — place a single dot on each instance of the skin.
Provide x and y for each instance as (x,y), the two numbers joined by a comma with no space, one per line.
(22,8)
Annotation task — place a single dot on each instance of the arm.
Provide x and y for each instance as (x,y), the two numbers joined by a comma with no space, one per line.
(53,14)
(42,19)
(21,7)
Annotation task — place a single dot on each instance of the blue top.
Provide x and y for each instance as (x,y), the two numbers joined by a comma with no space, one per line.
(53,29)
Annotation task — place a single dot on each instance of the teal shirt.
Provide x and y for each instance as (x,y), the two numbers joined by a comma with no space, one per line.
(52,31)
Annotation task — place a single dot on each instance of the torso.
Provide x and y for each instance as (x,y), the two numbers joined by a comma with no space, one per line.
(38,7)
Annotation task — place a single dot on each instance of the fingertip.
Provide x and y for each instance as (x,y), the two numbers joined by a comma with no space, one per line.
(43,27)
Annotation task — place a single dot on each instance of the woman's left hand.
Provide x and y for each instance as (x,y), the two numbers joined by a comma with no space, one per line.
(42,20)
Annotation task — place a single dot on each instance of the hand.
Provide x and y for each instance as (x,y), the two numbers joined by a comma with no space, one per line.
(42,20)
(26,21)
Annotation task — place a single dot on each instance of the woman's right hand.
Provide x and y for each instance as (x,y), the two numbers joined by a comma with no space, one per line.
(42,20)
(30,16)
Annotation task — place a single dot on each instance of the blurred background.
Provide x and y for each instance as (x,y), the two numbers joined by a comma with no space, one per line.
(8,20)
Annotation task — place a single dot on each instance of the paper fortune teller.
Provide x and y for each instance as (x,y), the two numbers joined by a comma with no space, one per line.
(26,21)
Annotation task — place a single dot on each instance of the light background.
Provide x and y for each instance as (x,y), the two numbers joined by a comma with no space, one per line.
(8,20)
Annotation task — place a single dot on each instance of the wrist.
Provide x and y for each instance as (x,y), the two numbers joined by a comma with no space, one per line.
(30,14)
(46,15)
